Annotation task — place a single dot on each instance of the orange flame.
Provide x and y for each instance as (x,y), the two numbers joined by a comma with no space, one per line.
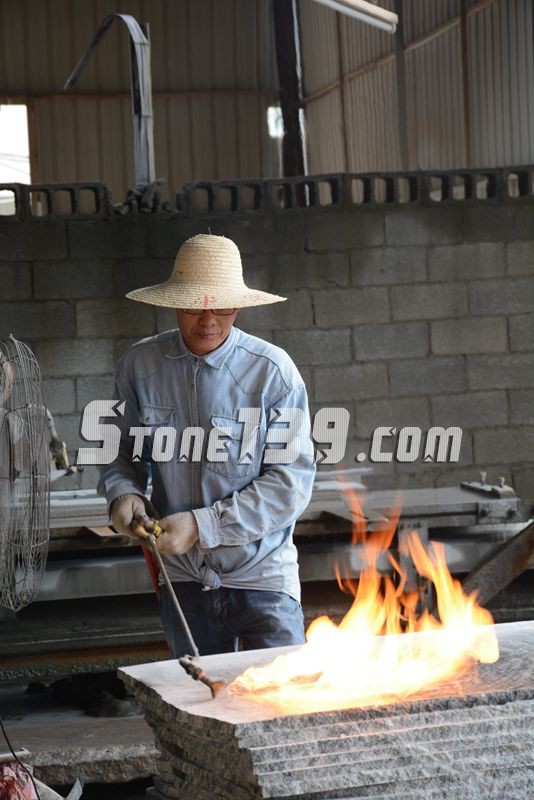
(383,649)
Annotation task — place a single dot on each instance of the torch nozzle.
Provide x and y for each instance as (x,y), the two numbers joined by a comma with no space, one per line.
(198,674)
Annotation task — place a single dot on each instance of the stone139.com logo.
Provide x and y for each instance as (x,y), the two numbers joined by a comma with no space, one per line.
(280,443)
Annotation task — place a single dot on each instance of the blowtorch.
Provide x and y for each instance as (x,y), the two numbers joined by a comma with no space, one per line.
(152,532)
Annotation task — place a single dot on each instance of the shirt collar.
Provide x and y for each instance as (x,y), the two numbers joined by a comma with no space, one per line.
(217,358)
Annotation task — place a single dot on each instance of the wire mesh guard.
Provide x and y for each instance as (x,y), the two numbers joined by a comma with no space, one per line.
(24,476)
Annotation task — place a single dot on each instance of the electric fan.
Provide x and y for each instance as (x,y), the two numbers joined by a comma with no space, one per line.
(24,476)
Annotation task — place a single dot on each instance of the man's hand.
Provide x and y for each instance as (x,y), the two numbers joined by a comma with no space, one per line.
(124,510)
(180,532)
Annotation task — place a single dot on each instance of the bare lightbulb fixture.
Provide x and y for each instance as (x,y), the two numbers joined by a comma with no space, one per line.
(365,12)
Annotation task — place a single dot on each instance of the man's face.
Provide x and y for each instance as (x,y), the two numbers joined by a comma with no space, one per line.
(204,332)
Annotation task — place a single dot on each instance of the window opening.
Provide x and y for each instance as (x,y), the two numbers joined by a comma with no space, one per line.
(14,152)
(275,127)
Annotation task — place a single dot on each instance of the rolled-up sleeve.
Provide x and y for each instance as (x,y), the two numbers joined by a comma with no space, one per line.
(274,499)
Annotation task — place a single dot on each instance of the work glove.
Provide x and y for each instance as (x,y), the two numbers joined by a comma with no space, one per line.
(180,532)
(124,510)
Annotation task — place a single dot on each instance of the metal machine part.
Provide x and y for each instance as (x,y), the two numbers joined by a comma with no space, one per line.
(470,525)
(141,94)
(87,570)
(501,490)
(59,459)
(509,561)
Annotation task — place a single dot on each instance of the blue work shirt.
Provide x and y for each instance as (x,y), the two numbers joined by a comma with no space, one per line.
(245,509)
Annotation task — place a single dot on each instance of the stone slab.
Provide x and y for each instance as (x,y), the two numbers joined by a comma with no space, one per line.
(520,786)
(109,764)
(190,701)
(66,743)
(453,741)
(495,786)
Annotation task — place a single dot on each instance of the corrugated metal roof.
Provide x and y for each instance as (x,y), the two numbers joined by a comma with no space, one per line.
(325,142)
(423,16)
(499,84)
(435,104)
(363,43)
(204,45)
(371,109)
(318,34)
(196,45)
(501,66)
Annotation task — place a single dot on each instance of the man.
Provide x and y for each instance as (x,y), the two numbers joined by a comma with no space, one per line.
(227,513)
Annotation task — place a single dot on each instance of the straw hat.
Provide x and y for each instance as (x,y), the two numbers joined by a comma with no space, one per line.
(207,273)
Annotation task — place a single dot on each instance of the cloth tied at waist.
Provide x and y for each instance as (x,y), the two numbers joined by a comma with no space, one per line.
(209,578)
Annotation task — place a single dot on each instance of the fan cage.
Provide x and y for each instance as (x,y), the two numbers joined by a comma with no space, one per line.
(24,476)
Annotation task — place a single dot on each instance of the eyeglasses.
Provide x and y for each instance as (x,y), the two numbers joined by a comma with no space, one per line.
(219,312)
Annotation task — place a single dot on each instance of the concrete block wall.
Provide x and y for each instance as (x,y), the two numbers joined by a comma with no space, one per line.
(406,313)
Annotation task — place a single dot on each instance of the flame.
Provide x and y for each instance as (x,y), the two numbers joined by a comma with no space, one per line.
(384,649)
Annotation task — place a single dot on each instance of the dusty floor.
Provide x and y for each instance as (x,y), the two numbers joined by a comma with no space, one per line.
(66,742)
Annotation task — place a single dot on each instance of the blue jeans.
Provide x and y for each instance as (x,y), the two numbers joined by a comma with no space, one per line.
(219,617)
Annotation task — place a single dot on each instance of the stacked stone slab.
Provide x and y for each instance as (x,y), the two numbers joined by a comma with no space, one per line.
(472,739)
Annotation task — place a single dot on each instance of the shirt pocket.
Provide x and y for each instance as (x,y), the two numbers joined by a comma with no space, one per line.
(240,461)
(157,416)
(160,448)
